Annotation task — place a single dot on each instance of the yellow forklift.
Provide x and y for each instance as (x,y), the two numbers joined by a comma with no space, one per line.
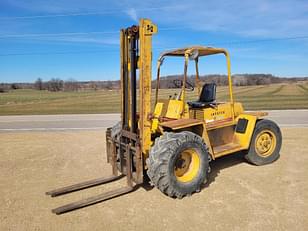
(174,144)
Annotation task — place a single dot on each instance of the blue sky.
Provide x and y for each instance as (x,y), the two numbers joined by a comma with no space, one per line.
(80,39)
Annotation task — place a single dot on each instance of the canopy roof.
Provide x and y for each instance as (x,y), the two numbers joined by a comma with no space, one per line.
(194,51)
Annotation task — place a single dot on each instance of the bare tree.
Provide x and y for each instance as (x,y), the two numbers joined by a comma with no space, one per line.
(109,85)
(39,85)
(71,85)
(55,84)
(93,85)
(3,88)
(15,86)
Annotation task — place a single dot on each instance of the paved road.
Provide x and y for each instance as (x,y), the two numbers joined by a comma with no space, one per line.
(57,122)
(285,118)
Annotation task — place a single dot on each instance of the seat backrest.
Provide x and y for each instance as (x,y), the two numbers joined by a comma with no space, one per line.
(208,93)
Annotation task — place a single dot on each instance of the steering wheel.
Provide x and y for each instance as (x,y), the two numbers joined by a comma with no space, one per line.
(179,83)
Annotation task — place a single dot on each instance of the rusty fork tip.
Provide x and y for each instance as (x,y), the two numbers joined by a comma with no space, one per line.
(56,212)
(50,194)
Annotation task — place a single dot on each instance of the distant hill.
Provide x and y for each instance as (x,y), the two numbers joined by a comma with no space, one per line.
(165,82)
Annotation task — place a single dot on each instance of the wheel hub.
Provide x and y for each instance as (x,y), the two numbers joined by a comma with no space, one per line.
(265,143)
(187,165)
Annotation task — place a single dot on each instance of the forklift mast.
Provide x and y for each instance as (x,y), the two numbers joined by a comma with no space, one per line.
(125,153)
(136,58)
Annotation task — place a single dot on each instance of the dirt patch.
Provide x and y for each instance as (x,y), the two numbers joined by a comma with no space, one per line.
(240,196)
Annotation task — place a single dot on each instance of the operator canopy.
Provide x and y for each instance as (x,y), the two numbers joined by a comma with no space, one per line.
(193,52)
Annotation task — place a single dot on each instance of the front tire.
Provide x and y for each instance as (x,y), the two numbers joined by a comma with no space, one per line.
(265,143)
(178,163)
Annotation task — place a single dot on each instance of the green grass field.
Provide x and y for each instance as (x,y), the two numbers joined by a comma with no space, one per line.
(27,102)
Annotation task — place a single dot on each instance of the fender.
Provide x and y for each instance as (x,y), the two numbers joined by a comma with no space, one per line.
(245,125)
(194,125)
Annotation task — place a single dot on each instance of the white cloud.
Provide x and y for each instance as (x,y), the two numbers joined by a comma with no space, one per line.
(113,41)
(132,14)
(103,41)
(262,18)
(64,6)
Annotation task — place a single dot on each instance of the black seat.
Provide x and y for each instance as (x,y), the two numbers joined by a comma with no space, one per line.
(207,96)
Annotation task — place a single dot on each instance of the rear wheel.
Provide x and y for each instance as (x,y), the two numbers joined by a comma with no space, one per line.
(265,144)
(178,163)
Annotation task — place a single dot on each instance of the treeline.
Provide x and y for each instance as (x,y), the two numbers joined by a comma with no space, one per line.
(222,80)
(56,84)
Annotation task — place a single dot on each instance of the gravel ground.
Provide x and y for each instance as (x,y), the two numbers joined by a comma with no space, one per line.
(239,196)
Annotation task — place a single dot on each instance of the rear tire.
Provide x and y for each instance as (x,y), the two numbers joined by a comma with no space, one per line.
(265,143)
(178,163)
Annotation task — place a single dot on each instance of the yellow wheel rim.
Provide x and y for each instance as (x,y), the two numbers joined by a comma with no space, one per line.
(187,165)
(265,143)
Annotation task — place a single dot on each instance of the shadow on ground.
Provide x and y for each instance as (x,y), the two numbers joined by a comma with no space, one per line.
(223,163)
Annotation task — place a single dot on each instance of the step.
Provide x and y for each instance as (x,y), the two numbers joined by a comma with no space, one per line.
(226,147)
